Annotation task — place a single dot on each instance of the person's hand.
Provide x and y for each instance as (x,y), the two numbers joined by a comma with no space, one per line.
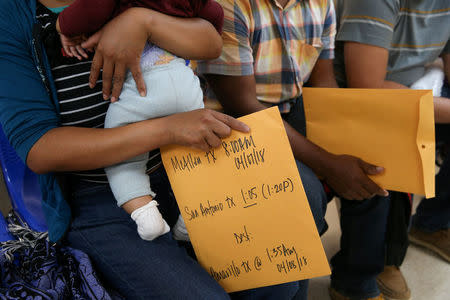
(347,176)
(72,46)
(118,47)
(202,129)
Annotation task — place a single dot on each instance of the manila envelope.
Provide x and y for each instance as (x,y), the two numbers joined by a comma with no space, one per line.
(245,209)
(393,129)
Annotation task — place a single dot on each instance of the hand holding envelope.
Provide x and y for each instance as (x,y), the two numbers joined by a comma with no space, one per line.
(245,208)
(393,129)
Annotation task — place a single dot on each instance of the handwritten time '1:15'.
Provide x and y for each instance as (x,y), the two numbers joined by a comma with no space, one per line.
(266,191)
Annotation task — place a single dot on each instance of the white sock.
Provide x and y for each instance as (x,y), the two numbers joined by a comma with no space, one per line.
(150,223)
(179,230)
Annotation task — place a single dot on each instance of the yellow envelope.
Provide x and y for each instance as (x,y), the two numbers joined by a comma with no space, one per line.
(389,128)
(245,208)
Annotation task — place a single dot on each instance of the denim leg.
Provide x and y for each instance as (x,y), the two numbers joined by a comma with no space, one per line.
(362,254)
(313,187)
(140,269)
(286,291)
(136,268)
(318,202)
(434,214)
(316,195)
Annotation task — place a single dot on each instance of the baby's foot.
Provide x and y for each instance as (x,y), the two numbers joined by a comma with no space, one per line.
(179,230)
(150,223)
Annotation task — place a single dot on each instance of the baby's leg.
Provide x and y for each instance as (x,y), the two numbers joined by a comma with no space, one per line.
(128,180)
(131,187)
(189,97)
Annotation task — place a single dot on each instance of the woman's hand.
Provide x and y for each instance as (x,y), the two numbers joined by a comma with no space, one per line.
(119,45)
(202,129)
(76,148)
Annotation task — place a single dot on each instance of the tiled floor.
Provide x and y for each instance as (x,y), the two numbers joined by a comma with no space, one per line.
(428,275)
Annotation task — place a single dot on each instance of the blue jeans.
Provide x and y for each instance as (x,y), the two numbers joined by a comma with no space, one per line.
(434,214)
(362,253)
(363,225)
(314,190)
(139,269)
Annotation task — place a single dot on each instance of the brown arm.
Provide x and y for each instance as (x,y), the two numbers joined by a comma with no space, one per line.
(360,58)
(345,174)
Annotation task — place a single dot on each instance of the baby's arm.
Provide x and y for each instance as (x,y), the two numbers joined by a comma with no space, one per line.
(72,45)
(85,16)
(213,13)
(79,19)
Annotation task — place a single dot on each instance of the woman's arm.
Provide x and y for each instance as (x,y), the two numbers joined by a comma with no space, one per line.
(75,148)
(119,45)
(30,121)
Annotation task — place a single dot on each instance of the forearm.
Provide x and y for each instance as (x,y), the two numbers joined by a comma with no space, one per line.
(191,38)
(386,84)
(76,148)
(243,101)
(375,84)
(446,59)
(323,74)
(441,105)
(304,150)
(441,110)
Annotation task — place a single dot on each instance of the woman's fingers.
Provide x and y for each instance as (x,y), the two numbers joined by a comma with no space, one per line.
(136,71)
(202,129)
(120,43)
(118,79)
(92,41)
(107,76)
(97,63)
(212,139)
(231,122)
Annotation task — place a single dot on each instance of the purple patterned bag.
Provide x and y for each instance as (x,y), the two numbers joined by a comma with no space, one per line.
(32,268)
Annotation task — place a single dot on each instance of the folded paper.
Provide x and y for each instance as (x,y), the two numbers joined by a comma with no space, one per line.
(245,207)
(393,129)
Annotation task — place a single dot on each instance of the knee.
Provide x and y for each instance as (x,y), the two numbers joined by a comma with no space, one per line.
(280,291)
(377,205)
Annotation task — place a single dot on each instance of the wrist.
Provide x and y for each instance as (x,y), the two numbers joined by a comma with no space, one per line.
(144,17)
(58,29)
(161,130)
(324,164)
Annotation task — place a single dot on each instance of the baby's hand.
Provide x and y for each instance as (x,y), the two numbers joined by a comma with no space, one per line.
(72,46)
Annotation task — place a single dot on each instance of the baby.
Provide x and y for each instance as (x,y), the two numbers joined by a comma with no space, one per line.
(171,87)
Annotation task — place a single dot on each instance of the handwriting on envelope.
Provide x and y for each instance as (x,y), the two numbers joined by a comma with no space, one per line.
(245,208)
(393,129)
